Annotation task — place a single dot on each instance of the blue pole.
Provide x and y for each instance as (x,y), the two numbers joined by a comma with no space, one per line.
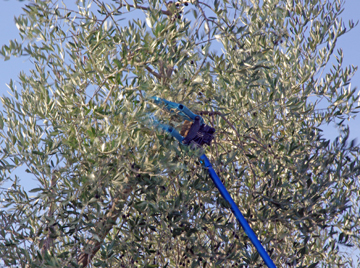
(225,194)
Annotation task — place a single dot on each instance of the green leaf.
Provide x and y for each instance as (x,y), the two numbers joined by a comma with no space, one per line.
(34,190)
(313,265)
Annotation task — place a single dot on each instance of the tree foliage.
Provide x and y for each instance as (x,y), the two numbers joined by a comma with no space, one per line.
(111,191)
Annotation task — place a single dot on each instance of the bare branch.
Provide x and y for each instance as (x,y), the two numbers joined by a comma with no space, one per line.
(105,225)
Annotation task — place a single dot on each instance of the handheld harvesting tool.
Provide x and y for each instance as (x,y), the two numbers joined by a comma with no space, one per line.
(196,133)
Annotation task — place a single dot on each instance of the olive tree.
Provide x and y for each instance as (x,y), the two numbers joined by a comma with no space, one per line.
(110,190)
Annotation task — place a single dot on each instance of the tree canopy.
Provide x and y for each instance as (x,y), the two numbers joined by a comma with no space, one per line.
(112,191)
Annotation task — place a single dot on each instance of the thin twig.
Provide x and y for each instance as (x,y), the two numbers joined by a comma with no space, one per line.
(165,12)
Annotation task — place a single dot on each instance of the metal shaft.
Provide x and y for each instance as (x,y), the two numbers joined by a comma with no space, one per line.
(225,194)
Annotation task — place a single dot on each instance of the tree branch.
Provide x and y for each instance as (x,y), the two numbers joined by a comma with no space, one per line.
(49,240)
(165,12)
(104,225)
(158,76)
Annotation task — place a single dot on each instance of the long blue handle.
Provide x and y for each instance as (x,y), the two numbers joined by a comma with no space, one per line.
(187,114)
(225,194)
